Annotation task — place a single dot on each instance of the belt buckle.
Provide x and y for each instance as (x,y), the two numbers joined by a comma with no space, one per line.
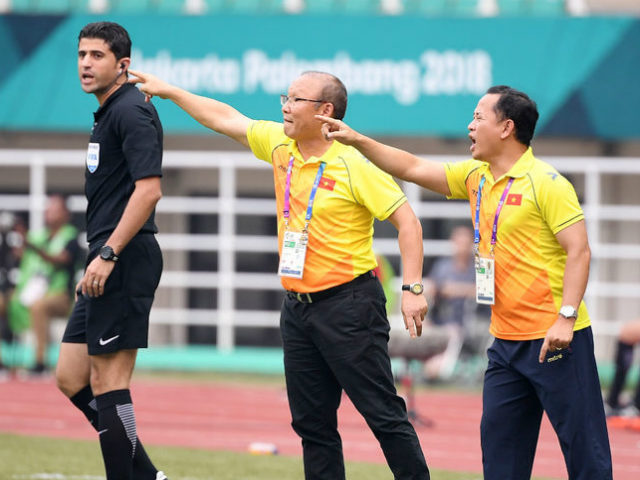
(303,297)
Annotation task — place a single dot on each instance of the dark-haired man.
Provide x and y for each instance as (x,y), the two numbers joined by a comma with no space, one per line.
(532,263)
(333,321)
(110,319)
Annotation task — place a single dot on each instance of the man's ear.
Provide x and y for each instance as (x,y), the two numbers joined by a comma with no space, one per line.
(124,63)
(326,109)
(508,128)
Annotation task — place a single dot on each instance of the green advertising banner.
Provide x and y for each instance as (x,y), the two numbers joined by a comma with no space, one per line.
(405,76)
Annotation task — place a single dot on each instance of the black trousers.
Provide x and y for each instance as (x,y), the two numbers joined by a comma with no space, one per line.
(340,343)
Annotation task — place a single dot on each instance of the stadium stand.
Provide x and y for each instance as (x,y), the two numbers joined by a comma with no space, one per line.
(480,8)
(172,7)
(531,7)
(138,6)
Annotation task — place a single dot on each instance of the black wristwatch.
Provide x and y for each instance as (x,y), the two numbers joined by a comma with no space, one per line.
(107,253)
(415,288)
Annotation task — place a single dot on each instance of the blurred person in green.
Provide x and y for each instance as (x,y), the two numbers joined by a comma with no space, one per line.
(12,229)
(46,277)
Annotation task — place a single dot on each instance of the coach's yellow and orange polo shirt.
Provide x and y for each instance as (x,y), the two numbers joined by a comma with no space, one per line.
(352,191)
(529,261)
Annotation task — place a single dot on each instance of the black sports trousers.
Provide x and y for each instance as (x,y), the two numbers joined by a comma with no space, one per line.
(340,343)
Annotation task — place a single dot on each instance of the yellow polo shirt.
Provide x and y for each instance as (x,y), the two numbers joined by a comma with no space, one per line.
(351,193)
(529,261)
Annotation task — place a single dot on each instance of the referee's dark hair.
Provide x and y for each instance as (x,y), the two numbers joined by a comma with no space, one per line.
(333,92)
(517,106)
(113,34)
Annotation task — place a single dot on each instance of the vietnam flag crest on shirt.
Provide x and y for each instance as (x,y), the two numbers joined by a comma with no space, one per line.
(327,183)
(514,199)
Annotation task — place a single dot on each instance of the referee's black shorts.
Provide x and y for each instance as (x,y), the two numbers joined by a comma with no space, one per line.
(119,319)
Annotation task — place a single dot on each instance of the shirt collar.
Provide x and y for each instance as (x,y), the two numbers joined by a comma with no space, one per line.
(519,169)
(523,165)
(112,98)
(329,154)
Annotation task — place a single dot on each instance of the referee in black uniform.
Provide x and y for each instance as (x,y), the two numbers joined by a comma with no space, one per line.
(110,319)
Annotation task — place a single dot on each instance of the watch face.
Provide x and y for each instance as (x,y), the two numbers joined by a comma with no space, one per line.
(417,288)
(106,253)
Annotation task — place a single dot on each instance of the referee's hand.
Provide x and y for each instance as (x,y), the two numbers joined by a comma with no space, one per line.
(95,277)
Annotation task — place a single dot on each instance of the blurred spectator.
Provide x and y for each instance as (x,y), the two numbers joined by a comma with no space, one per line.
(451,289)
(46,277)
(628,338)
(12,229)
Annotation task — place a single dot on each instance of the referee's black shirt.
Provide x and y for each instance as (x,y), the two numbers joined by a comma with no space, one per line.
(125,146)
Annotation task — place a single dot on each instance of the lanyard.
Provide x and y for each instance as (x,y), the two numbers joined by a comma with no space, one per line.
(312,195)
(494,231)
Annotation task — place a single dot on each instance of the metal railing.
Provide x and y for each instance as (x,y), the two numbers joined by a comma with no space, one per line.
(227,203)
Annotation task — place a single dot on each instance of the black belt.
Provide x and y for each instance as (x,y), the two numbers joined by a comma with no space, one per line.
(322,294)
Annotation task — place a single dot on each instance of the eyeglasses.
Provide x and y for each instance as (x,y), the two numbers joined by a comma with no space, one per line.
(286,98)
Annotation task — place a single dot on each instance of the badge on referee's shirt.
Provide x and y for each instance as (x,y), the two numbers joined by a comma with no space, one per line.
(93,157)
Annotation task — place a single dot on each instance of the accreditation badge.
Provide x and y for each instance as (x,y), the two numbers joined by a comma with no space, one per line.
(294,252)
(485,280)
(93,157)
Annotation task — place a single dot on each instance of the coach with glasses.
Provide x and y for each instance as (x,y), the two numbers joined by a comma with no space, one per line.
(333,322)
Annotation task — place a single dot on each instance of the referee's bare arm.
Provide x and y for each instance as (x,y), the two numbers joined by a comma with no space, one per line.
(218,116)
(143,200)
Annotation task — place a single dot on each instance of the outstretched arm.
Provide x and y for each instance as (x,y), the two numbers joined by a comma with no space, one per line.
(400,164)
(217,116)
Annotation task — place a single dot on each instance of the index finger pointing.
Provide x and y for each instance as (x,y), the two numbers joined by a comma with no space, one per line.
(139,76)
(329,120)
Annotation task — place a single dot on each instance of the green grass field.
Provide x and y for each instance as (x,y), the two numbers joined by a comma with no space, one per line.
(40,458)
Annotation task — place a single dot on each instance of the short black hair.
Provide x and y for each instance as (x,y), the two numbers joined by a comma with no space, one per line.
(333,92)
(517,106)
(113,34)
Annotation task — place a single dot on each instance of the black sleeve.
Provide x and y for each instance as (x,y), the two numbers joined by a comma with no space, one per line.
(141,135)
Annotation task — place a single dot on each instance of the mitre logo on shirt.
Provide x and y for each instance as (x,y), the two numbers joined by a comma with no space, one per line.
(327,183)
(514,199)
